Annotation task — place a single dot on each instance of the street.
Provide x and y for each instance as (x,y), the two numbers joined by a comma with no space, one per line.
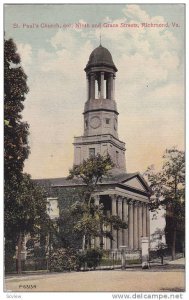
(130,280)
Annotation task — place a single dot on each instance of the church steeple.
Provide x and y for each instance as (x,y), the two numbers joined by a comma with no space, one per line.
(100,111)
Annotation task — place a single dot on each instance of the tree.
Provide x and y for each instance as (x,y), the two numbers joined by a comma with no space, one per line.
(16,148)
(168,187)
(29,214)
(25,205)
(91,221)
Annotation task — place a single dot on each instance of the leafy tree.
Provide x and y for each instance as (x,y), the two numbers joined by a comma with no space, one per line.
(26,215)
(90,217)
(16,148)
(25,206)
(168,187)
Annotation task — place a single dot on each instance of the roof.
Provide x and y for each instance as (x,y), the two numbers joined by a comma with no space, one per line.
(120,178)
(100,56)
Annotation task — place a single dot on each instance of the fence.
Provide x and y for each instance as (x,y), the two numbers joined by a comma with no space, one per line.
(110,259)
(113,258)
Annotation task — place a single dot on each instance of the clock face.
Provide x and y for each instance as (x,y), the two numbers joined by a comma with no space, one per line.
(95,122)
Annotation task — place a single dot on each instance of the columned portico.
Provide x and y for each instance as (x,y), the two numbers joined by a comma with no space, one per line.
(136,215)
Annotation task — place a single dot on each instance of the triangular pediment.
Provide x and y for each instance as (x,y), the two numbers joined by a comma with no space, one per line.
(136,182)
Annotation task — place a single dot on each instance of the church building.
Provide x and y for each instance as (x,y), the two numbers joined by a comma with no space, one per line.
(124,194)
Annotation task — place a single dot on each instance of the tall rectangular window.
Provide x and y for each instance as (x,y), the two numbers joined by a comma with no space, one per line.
(91,152)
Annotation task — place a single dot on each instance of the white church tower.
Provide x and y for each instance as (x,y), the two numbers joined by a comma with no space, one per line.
(100,113)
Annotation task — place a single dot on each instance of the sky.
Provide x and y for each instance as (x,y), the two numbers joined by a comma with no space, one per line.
(149,88)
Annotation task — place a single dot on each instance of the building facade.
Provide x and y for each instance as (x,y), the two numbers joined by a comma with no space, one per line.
(123,194)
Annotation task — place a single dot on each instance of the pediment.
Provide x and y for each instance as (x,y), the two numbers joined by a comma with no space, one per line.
(135,183)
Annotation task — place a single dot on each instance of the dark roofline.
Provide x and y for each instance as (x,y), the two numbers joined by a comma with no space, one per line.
(112,179)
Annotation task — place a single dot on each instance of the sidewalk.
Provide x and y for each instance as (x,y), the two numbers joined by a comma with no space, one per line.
(167,265)
(180,261)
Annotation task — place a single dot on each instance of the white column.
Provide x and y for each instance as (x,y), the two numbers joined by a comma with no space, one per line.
(104,239)
(147,221)
(111,87)
(120,215)
(135,223)
(92,86)
(92,242)
(97,239)
(108,244)
(140,224)
(144,220)
(114,213)
(130,225)
(102,85)
(125,219)
(145,252)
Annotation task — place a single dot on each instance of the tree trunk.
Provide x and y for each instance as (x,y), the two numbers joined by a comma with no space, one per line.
(173,244)
(19,263)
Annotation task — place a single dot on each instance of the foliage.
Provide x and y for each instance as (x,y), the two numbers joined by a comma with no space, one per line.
(93,257)
(66,236)
(28,214)
(25,204)
(160,249)
(91,172)
(90,258)
(168,187)
(15,130)
(62,260)
(89,217)
(67,259)
(92,219)
(16,148)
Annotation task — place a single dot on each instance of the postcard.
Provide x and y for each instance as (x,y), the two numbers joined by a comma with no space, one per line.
(94,118)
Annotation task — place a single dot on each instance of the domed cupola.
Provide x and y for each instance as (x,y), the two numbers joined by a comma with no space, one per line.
(99,57)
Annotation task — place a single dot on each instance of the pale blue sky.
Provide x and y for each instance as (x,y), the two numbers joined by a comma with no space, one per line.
(68,13)
(149,82)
